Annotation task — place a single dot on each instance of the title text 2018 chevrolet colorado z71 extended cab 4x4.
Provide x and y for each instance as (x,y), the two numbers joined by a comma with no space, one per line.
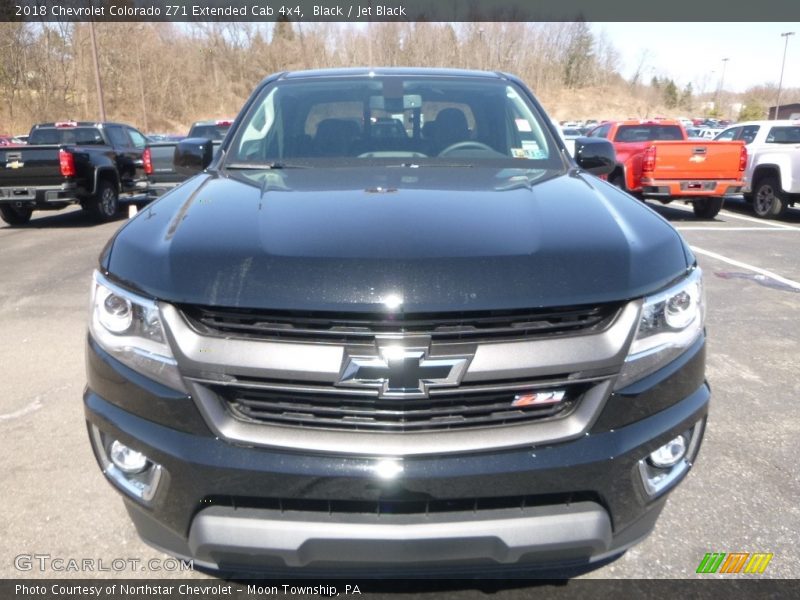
(453,349)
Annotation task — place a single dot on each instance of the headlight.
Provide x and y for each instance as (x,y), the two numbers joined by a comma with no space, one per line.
(670,322)
(129,328)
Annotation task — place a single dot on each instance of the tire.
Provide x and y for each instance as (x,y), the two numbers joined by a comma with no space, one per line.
(707,208)
(104,205)
(617,180)
(15,216)
(768,199)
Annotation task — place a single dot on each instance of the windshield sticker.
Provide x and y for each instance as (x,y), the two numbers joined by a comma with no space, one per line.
(518,153)
(523,125)
(532,150)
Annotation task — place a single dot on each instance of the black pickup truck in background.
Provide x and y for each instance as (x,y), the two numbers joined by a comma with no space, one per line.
(159,157)
(70,162)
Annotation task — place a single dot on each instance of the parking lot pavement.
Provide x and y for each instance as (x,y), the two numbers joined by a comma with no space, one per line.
(740,497)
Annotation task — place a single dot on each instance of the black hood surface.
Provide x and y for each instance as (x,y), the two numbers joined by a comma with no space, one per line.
(436,238)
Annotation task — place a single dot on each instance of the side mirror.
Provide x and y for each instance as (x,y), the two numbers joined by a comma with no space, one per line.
(192,155)
(595,155)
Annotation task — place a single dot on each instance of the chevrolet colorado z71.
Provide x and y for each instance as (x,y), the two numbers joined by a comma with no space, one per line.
(656,159)
(70,162)
(447,351)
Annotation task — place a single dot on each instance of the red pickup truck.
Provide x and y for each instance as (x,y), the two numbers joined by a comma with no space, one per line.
(657,160)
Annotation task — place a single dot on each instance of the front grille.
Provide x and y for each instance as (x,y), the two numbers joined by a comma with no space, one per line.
(363,327)
(357,412)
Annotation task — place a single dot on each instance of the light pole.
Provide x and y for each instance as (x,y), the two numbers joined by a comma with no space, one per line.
(783,64)
(98,84)
(721,83)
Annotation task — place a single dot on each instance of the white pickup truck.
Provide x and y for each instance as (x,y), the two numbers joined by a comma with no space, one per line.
(772,177)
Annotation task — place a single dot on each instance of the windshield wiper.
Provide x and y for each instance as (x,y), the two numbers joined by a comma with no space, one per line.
(413,165)
(263,166)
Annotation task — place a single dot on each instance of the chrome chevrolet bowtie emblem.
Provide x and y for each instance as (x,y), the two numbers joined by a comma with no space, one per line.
(402,372)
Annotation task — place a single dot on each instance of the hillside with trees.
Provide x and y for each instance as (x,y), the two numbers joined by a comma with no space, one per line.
(162,76)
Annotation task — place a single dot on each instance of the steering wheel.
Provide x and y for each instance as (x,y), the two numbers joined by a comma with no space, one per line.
(468,145)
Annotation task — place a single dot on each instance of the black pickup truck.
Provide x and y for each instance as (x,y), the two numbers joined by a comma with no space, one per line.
(446,350)
(71,162)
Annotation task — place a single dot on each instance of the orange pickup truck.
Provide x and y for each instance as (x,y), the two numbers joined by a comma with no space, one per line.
(655,159)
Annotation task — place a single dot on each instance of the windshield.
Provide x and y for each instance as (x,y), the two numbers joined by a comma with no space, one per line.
(420,120)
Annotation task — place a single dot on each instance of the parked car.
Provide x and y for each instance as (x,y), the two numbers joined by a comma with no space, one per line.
(164,137)
(655,159)
(70,162)
(330,352)
(9,140)
(694,133)
(772,176)
(214,130)
(709,133)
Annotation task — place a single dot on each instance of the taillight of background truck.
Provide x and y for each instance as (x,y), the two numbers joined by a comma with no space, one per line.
(147,161)
(743,158)
(67,163)
(649,160)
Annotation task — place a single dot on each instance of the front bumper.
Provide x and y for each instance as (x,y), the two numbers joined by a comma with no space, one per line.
(243,508)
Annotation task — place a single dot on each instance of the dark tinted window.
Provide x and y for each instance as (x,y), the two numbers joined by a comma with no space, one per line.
(784,135)
(211,132)
(728,135)
(601,132)
(82,136)
(139,141)
(647,133)
(749,133)
(118,137)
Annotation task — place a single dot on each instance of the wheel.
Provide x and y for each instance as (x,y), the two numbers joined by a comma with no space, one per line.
(104,205)
(468,145)
(15,216)
(707,208)
(768,201)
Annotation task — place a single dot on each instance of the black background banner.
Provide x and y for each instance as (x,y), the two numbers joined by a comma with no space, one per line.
(400,10)
(713,588)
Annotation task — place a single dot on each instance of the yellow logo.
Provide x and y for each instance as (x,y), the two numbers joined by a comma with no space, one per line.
(14,164)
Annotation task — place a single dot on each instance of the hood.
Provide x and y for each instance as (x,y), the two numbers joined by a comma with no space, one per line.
(436,239)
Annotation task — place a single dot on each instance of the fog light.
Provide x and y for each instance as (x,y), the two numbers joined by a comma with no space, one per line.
(669,454)
(665,466)
(129,470)
(126,459)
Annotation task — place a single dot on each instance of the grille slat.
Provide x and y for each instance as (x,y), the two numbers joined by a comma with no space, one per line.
(358,413)
(361,328)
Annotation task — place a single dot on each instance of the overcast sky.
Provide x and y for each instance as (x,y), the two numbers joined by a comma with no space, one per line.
(693,52)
